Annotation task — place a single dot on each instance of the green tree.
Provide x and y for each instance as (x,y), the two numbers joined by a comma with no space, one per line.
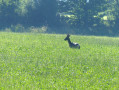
(28,12)
(86,12)
(116,12)
(48,9)
(7,13)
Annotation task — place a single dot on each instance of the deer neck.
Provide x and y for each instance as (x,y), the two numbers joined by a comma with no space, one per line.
(69,41)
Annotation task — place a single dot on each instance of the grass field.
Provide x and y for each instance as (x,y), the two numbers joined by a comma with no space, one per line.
(45,62)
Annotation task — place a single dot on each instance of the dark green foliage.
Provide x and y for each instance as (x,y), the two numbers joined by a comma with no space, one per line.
(99,17)
(28,13)
(44,13)
(7,14)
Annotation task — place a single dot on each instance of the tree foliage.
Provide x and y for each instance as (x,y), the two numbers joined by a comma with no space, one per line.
(91,15)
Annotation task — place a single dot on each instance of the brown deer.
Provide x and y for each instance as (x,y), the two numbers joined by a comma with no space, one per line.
(71,44)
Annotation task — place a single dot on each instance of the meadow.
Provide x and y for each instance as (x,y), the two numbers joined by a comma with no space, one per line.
(30,61)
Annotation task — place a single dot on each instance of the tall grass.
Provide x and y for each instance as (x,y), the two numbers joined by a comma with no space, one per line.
(45,61)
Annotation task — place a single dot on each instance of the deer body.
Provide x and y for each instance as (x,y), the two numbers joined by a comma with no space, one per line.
(71,44)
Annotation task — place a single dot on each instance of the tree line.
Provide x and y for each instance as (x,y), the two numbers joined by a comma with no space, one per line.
(84,16)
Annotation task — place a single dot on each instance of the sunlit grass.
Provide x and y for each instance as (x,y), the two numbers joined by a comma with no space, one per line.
(45,61)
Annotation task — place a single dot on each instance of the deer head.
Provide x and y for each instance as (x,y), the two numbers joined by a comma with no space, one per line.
(67,38)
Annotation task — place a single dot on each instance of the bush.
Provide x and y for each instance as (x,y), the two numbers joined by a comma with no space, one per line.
(18,28)
(42,29)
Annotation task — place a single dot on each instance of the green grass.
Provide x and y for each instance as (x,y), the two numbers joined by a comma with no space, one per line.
(45,62)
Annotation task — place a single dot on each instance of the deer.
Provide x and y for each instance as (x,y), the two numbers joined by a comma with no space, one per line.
(71,44)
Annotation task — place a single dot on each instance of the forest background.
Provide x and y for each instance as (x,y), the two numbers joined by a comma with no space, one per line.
(85,17)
